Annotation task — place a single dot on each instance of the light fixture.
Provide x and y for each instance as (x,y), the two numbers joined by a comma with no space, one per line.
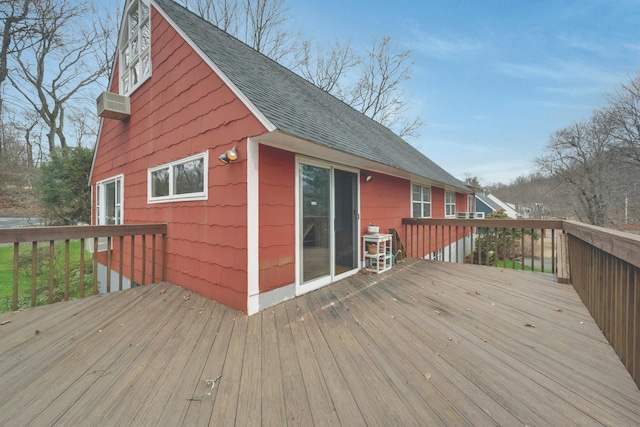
(368,177)
(230,155)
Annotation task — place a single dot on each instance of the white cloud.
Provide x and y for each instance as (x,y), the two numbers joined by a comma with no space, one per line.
(444,47)
(565,71)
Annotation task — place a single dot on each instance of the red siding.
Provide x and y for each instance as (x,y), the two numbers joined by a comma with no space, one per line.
(183,109)
(384,202)
(437,202)
(461,202)
(277,218)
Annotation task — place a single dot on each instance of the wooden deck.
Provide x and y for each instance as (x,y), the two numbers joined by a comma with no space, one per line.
(427,343)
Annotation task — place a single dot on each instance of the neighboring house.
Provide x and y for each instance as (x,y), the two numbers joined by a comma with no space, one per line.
(302,174)
(488,204)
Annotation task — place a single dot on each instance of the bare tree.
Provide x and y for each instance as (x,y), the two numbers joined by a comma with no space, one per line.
(327,67)
(259,23)
(68,57)
(378,92)
(580,156)
(371,84)
(14,14)
(222,13)
(626,111)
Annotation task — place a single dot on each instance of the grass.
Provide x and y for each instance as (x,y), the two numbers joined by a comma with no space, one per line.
(42,276)
(518,266)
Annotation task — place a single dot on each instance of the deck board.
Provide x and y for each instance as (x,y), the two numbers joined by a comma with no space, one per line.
(426,343)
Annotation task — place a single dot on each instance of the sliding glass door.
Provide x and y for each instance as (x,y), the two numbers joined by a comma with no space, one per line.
(328,223)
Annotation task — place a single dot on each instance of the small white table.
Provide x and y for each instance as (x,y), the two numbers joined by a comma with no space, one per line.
(377,256)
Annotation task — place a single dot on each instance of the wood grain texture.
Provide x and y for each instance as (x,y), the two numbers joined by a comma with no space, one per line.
(426,343)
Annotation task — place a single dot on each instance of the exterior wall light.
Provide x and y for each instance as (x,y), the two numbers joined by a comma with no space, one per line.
(230,155)
(367,177)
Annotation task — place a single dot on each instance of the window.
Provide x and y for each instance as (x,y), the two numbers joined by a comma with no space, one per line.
(449,204)
(109,201)
(470,199)
(183,179)
(135,46)
(420,201)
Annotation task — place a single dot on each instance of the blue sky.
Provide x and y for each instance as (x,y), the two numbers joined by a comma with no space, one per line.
(492,79)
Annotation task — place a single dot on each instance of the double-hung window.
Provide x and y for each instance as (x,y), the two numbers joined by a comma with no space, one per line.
(184,179)
(420,201)
(449,204)
(135,46)
(109,201)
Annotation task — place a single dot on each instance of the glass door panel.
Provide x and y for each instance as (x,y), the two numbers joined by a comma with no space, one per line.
(315,232)
(346,221)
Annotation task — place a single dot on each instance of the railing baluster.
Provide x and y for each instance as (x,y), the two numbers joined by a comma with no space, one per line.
(51,268)
(144,258)
(133,250)
(82,268)
(164,250)
(513,248)
(542,233)
(480,246)
(450,243)
(108,264)
(496,251)
(554,269)
(464,244)
(522,249)
(95,266)
(504,246)
(66,270)
(34,269)
(120,261)
(153,258)
(533,252)
(16,262)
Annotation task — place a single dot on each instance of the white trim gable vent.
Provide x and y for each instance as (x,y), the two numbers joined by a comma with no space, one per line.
(113,106)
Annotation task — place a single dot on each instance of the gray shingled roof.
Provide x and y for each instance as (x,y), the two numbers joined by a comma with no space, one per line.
(299,108)
(484,198)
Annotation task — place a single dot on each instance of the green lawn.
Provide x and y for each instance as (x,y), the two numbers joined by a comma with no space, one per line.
(518,266)
(42,277)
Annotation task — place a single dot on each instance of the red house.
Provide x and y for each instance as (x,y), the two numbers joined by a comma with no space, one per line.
(301,174)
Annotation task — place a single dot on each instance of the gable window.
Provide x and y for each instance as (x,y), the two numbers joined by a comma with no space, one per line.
(135,46)
(420,201)
(109,201)
(184,179)
(449,204)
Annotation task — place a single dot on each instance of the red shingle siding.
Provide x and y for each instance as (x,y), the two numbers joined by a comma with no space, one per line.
(277,218)
(437,202)
(461,202)
(384,202)
(184,109)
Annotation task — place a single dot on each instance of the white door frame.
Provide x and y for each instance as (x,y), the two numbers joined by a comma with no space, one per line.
(302,288)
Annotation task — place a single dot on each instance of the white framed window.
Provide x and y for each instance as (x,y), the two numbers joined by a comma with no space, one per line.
(109,201)
(449,204)
(470,203)
(184,179)
(135,46)
(420,201)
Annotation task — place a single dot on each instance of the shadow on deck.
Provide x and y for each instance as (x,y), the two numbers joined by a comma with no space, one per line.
(424,344)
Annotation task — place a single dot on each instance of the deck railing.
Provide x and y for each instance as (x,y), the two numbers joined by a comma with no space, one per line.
(516,244)
(603,265)
(605,272)
(98,243)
